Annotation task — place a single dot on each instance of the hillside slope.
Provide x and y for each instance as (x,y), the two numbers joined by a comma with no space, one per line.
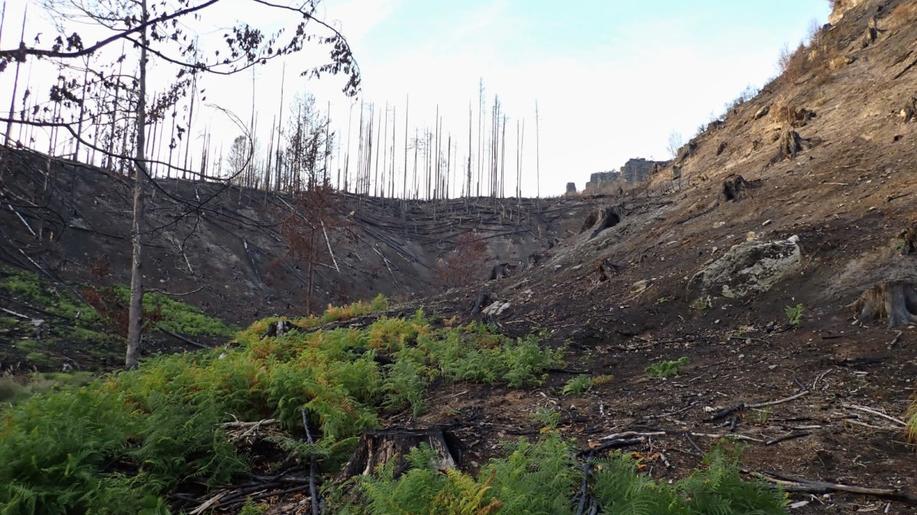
(228,250)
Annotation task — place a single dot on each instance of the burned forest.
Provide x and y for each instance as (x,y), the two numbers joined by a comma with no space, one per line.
(271,257)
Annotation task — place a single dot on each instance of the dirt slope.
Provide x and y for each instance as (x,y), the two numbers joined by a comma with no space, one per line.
(621,298)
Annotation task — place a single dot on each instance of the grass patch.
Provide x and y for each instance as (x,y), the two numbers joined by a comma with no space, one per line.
(544,477)
(131,438)
(666,368)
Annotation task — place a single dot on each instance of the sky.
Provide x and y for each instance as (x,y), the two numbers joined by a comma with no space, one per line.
(612,78)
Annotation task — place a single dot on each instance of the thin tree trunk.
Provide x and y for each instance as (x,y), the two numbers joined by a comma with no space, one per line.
(404,188)
(9,123)
(537,153)
(135,312)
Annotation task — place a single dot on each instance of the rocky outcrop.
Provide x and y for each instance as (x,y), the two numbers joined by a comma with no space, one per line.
(749,268)
(840,8)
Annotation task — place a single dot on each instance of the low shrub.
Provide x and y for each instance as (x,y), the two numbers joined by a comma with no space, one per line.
(667,368)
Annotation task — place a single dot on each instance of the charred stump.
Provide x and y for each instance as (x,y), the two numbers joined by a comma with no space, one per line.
(893,301)
(279,328)
(791,144)
(379,448)
(908,241)
(600,220)
(735,187)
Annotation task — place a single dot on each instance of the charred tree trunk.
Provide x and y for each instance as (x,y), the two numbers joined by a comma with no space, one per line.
(379,448)
(893,301)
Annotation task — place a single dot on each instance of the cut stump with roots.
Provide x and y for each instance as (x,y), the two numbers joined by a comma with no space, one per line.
(893,301)
(378,448)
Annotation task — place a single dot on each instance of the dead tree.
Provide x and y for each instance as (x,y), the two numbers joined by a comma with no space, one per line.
(155,31)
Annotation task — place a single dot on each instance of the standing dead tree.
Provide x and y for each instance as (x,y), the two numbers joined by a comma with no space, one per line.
(157,31)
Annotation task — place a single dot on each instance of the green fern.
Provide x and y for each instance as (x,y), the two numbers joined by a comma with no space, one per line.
(794,314)
(577,385)
(665,369)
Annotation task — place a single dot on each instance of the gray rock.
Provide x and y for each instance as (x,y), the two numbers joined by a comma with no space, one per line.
(749,268)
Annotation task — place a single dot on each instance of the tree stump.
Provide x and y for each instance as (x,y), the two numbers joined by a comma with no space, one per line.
(791,144)
(600,220)
(279,328)
(895,301)
(378,448)
(735,187)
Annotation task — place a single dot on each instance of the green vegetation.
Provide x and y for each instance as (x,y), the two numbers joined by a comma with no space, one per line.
(702,303)
(28,287)
(716,488)
(666,369)
(87,326)
(16,389)
(794,314)
(548,417)
(336,313)
(543,477)
(577,385)
(583,383)
(129,439)
(181,318)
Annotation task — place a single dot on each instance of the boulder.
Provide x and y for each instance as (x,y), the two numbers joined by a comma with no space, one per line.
(749,268)
(496,309)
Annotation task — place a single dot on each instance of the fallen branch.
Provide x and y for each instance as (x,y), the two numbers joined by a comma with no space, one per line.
(327,241)
(871,411)
(17,315)
(716,436)
(187,340)
(794,484)
(314,500)
(723,413)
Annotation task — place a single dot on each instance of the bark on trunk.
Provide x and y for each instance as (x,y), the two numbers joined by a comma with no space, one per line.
(135,313)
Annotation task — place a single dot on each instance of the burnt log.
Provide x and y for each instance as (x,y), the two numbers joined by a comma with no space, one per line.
(390,446)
